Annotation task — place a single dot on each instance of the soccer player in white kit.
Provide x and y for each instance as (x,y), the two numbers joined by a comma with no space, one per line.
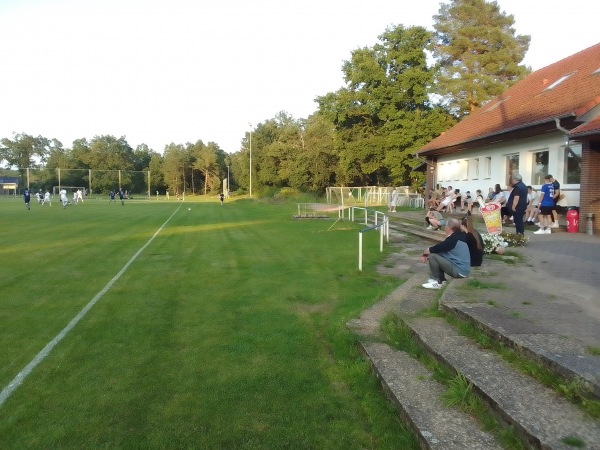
(63,198)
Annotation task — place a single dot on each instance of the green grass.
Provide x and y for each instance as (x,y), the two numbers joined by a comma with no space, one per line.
(574,391)
(227,331)
(593,350)
(475,283)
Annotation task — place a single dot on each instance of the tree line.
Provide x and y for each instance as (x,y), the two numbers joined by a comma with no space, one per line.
(398,95)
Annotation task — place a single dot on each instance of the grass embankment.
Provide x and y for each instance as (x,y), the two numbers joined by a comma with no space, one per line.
(228,330)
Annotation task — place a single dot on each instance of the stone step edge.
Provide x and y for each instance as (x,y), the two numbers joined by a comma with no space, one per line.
(508,418)
(437,434)
(551,364)
(417,231)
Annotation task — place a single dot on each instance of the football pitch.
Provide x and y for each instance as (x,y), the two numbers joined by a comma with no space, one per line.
(186,325)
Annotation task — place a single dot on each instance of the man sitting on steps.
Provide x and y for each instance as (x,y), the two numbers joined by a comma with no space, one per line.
(450,256)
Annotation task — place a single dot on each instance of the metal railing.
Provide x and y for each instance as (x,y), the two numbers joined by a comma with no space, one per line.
(380,222)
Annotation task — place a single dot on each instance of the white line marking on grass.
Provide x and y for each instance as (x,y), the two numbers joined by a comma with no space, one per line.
(18,380)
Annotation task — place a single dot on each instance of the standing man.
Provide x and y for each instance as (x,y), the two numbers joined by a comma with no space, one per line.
(546,205)
(27,198)
(221,197)
(121,197)
(517,202)
(450,256)
(556,186)
(393,200)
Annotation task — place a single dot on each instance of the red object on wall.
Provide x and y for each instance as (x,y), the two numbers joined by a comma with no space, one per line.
(572,221)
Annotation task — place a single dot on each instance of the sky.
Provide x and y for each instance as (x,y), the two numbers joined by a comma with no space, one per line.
(178,71)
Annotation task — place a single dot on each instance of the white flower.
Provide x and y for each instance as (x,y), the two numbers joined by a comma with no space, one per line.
(491,242)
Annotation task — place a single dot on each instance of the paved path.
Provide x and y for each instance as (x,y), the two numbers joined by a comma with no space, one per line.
(562,272)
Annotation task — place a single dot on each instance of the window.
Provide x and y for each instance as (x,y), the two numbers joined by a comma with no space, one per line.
(464,169)
(557,82)
(455,170)
(488,167)
(539,167)
(572,163)
(512,166)
(476,169)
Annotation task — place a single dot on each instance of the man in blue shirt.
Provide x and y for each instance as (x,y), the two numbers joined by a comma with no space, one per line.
(450,256)
(546,204)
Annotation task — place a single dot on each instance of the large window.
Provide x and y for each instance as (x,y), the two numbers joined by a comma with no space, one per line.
(476,169)
(512,166)
(539,167)
(488,167)
(572,164)
(464,169)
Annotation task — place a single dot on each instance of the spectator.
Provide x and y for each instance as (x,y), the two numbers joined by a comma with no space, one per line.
(546,204)
(457,200)
(532,206)
(393,200)
(468,200)
(474,241)
(505,210)
(450,257)
(517,202)
(490,196)
(555,197)
(448,201)
(434,198)
(434,219)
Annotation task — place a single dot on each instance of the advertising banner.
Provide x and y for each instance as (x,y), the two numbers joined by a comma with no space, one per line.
(491,216)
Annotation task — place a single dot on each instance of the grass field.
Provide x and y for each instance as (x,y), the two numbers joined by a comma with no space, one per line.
(227,330)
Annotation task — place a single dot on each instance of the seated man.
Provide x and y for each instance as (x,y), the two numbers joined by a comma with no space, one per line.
(450,256)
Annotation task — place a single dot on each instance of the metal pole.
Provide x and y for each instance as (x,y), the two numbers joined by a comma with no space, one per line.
(360,251)
(381,229)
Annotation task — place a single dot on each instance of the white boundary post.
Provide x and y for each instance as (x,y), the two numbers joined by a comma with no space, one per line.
(360,239)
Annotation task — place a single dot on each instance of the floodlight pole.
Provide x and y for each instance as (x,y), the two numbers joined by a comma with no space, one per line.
(250,159)
(228,181)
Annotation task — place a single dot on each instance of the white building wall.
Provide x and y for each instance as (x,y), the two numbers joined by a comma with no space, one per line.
(484,167)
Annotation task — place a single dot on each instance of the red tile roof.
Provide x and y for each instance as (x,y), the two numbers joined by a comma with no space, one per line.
(538,98)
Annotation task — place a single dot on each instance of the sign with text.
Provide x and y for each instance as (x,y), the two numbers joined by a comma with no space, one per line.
(492,218)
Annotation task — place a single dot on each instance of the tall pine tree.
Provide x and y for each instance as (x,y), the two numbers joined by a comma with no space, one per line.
(478,53)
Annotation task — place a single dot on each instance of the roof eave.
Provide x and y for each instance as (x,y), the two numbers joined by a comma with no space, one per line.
(551,120)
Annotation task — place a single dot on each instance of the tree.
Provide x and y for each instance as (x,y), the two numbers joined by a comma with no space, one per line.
(477,52)
(174,167)
(112,160)
(318,163)
(157,178)
(384,114)
(207,162)
(23,151)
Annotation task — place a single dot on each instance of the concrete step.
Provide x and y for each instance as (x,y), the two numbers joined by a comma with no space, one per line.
(568,358)
(541,417)
(418,397)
